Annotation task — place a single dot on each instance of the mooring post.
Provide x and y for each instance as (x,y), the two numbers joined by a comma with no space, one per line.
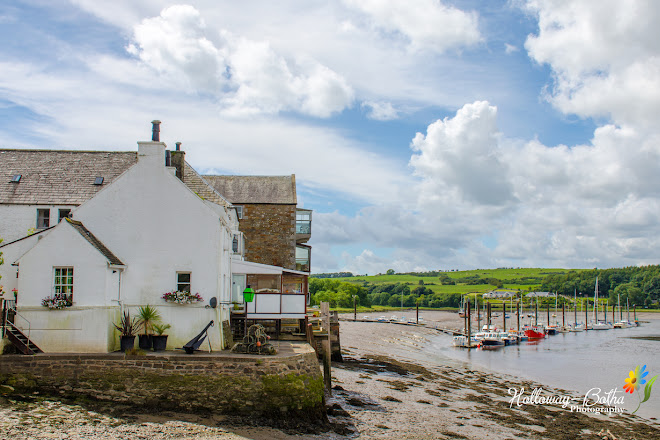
(354,308)
(586,316)
(417,316)
(488,314)
(476,302)
(548,313)
(325,319)
(504,315)
(563,315)
(613,312)
(536,313)
(469,325)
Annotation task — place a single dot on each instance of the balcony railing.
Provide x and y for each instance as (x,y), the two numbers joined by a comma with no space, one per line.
(303,227)
(302,264)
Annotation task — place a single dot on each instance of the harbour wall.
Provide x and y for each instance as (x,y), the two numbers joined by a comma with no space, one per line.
(285,386)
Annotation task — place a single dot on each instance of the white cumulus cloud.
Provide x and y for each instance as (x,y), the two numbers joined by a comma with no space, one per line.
(246,76)
(605,55)
(426,25)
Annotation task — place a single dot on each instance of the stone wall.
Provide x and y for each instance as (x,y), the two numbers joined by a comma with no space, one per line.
(288,387)
(270,234)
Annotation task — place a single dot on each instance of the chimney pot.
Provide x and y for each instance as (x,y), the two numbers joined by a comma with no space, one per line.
(155,130)
(178,146)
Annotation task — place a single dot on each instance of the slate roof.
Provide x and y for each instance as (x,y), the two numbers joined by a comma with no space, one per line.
(278,190)
(201,187)
(56,177)
(91,238)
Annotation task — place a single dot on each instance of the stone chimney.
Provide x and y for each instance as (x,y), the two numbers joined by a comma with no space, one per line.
(155,130)
(153,151)
(178,160)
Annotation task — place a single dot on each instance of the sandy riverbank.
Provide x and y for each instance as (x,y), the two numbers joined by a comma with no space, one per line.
(385,389)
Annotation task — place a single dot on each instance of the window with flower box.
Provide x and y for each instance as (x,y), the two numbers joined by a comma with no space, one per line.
(63,283)
(183,281)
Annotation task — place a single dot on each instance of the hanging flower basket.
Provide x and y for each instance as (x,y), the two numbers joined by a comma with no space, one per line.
(182,297)
(57,302)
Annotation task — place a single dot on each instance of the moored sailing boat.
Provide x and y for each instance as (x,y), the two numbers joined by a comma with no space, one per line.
(575,327)
(596,324)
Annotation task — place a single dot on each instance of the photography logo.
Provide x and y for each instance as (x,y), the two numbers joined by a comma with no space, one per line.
(637,378)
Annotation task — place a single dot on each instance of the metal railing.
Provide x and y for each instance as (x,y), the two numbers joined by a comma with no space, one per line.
(303,227)
(11,306)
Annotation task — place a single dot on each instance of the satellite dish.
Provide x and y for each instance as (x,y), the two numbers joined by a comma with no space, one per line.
(214,302)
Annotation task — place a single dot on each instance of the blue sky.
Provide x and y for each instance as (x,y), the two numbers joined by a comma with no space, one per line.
(425,135)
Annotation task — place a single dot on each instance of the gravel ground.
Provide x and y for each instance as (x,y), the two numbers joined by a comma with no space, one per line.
(56,420)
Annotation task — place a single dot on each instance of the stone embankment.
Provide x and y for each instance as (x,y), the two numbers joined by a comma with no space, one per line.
(286,386)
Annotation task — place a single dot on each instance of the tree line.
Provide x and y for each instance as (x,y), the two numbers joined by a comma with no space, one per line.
(340,294)
(639,285)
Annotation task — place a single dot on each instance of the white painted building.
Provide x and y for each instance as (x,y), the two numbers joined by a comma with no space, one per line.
(113,231)
(145,234)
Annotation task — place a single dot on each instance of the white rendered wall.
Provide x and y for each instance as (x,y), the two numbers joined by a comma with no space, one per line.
(157,226)
(11,253)
(86,326)
(16,220)
(63,247)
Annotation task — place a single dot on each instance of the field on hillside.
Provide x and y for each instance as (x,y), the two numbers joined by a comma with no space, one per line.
(512,279)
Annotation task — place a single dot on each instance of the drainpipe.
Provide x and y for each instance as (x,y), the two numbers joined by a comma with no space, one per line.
(119,270)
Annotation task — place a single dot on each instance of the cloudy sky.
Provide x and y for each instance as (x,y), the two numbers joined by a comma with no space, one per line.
(425,134)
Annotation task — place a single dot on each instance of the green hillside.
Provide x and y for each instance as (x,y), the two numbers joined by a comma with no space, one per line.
(638,285)
(511,279)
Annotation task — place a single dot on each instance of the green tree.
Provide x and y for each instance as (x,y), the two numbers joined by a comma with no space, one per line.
(389,272)
(394,301)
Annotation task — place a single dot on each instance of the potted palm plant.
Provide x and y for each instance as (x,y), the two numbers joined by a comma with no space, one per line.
(128,328)
(159,339)
(149,316)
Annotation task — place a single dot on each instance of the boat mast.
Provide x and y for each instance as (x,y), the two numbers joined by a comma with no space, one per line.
(596,302)
(575,305)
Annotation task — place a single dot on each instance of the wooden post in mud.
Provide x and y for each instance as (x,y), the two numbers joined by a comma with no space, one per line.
(613,312)
(548,313)
(327,375)
(504,315)
(417,314)
(469,325)
(478,312)
(536,313)
(563,315)
(488,315)
(586,317)
(354,308)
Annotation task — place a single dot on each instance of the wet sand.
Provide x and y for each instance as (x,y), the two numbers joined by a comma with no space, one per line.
(386,388)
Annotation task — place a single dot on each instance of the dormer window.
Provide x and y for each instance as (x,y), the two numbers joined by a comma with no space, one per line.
(16,178)
(239,211)
(98,181)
